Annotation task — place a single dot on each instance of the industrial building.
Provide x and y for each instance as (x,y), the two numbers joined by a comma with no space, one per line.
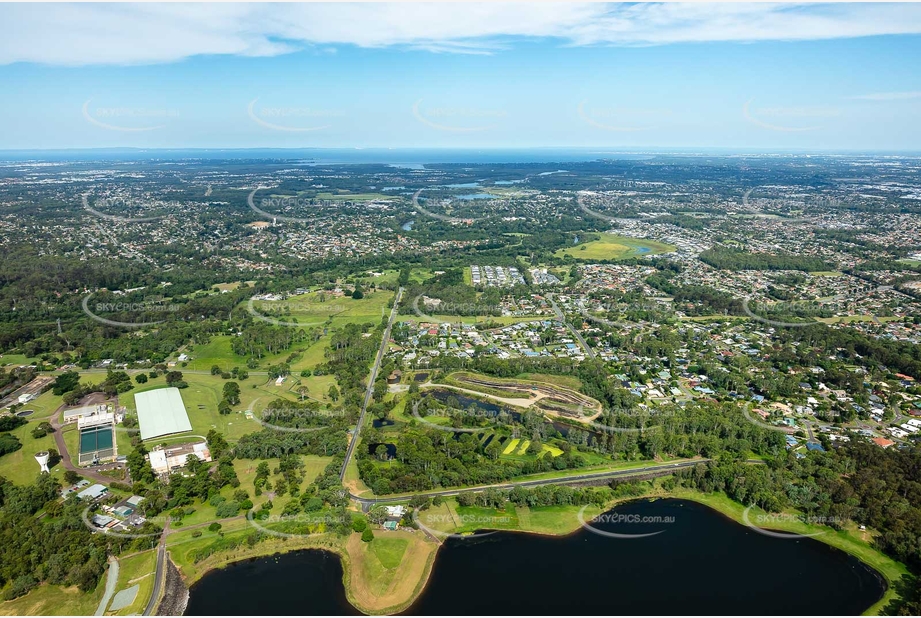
(161,413)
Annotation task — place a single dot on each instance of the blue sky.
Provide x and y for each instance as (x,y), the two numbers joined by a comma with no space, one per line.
(816,77)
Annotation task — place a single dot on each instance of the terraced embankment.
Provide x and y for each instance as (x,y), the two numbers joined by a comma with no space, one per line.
(543,395)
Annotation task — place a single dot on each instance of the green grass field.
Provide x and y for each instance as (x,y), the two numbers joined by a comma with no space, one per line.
(137,569)
(570,382)
(313,310)
(20,466)
(15,360)
(246,472)
(206,391)
(47,600)
(322,308)
(614,247)
(453,519)
(389,550)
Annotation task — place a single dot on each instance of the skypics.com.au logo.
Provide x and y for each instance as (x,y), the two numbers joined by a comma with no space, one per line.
(294,307)
(623,521)
(435,215)
(281,202)
(448,308)
(619,119)
(296,420)
(140,310)
(291,119)
(475,415)
(128,119)
(471,525)
(763,522)
(118,203)
(304,524)
(455,119)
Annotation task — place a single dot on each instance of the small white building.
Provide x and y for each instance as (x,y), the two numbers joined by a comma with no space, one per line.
(395,511)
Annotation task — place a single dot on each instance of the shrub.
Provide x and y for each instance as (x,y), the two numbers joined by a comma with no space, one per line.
(367,536)
(216,500)
(227,508)
(20,586)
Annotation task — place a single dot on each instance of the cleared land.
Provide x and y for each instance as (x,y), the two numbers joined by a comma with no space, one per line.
(615,247)
(49,600)
(201,399)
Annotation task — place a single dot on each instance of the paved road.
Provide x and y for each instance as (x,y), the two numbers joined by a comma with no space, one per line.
(111,582)
(370,390)
(563,480)
(158,574)
(575,333)
(809,431)
(92,473)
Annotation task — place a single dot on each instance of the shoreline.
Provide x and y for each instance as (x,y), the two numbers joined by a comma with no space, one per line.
(328,543)
(887,569)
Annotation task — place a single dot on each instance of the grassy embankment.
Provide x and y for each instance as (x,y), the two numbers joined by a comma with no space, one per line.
(381,577)
(386,575)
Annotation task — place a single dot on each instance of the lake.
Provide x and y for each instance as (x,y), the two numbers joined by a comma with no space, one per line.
(475,196)
(699,564)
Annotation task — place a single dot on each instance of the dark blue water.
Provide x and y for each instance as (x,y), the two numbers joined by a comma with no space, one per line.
(700,563)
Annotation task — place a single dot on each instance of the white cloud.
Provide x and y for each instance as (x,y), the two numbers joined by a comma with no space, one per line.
(79,34)
(887,96)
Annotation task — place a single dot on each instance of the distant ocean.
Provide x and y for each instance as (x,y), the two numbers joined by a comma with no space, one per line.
(412,158)
(407,157)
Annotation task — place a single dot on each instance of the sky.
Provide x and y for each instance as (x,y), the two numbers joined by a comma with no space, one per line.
(783,77)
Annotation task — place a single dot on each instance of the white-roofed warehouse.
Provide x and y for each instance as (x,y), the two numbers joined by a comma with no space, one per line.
(161,413)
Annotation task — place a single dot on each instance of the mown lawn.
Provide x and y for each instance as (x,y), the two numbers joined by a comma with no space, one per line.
(389,550)
(137,569)
(201,399)
(614,247)
(20,466)
(453,519)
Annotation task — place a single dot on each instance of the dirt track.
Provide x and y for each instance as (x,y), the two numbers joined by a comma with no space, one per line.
(530,389)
